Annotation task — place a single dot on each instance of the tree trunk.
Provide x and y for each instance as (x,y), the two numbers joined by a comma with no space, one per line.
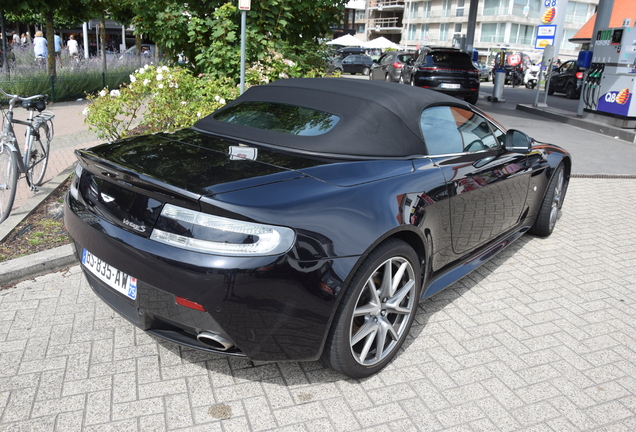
(5,57)
(102,43)
(50,39)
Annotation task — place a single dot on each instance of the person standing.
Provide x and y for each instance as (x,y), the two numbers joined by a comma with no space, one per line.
(39,47)
(23,40)
(16,39)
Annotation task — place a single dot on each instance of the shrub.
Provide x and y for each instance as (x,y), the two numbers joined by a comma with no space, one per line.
(170,98)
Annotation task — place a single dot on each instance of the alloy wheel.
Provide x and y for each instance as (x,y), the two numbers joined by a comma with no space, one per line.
(382,311)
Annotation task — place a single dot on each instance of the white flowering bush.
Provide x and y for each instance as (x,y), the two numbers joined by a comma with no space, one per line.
(168,98)
(271,67)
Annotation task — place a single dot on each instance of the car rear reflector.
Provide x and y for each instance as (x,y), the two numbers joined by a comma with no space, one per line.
(397,65)
(189,304)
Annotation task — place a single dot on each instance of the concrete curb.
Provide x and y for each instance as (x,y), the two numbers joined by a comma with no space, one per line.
(37,264)
(586,124)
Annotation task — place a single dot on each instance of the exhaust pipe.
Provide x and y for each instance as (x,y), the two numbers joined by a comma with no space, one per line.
(215,341)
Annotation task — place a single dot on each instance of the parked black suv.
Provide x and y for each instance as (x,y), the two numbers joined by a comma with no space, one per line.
(447,70)
(568,79)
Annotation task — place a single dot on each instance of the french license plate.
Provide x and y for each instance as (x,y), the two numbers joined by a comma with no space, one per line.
(450,86)
(116,279)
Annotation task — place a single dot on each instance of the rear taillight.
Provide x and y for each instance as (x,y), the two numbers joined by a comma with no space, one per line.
(579,75)
(397,65)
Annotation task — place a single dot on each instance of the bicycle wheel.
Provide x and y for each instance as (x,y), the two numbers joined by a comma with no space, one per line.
(39,155)
(8,180)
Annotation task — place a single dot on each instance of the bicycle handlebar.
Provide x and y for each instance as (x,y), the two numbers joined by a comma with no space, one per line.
(20,98)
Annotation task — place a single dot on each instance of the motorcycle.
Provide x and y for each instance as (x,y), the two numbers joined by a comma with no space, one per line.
(531,78)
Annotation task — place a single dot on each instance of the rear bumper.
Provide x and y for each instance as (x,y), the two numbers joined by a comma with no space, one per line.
(271,308)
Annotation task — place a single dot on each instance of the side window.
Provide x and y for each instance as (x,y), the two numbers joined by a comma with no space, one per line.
(386,58)
(455,130)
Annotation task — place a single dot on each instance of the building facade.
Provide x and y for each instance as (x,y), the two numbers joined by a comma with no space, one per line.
(510,24)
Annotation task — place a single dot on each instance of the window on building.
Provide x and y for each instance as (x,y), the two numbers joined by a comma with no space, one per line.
(460,8)
(360,15)
(446,7)
(360,28)
(527,8)
(457,28)
(492,32)
(424,33)
(414,9)
(413,30)
(576,13)
(443,32)
(521,34)
(495,7)
(567,45)
(426,9)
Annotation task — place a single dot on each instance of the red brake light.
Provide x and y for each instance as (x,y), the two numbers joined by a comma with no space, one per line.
(579,75)
(397,65)
(189,304)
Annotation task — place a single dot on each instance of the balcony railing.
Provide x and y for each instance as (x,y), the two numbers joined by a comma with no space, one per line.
(386,23)
(386,4)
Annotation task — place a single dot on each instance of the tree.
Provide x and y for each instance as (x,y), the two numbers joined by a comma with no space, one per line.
(207,32)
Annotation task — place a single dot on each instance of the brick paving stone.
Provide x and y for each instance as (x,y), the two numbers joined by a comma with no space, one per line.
(542,337)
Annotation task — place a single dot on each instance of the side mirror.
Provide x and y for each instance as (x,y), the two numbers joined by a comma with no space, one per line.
(518,142)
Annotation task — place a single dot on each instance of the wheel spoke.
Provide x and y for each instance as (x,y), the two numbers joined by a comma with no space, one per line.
(397,278)
(393,305)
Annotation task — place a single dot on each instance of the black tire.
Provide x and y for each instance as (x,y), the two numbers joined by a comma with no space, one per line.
(412,81)
(570,91)
(39,156)
(387,78)
(8,180)
(401,80)
(338,70)
(550,90)
(531,84)
(366,71)
(551,204)
(472,99)
(370,315)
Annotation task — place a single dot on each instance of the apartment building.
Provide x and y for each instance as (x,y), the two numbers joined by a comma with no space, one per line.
(500,23)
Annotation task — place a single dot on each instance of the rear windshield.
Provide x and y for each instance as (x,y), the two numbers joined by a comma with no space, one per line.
(449,59)
(283,118)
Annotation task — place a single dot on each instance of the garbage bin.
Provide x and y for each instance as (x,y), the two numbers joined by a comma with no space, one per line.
(497,90)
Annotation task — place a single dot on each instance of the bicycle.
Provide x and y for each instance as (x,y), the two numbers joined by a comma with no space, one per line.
(38,136)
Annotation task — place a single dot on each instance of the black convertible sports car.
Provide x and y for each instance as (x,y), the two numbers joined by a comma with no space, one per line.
(306,219)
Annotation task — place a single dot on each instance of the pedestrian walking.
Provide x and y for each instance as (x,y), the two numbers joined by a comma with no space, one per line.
(73,48)
(57,42)
(40,48)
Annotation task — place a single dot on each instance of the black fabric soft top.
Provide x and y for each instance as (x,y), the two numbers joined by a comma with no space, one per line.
(377,119)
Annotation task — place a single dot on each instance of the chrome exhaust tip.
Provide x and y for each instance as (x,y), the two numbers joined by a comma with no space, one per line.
(215,341)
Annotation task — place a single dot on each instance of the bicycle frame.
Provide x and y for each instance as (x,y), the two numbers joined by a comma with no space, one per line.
(9,139)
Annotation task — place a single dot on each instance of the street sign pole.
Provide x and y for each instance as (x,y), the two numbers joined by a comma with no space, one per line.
(244,6)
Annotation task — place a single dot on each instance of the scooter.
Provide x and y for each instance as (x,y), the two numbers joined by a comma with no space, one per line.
(531,78)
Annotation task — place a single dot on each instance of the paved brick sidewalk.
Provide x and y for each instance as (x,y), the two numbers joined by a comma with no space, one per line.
(541,338)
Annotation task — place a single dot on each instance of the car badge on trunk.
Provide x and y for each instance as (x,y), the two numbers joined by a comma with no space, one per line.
(140,228)
(106,198)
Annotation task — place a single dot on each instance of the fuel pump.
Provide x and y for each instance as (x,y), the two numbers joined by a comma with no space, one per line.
(610,86)
(500,78)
